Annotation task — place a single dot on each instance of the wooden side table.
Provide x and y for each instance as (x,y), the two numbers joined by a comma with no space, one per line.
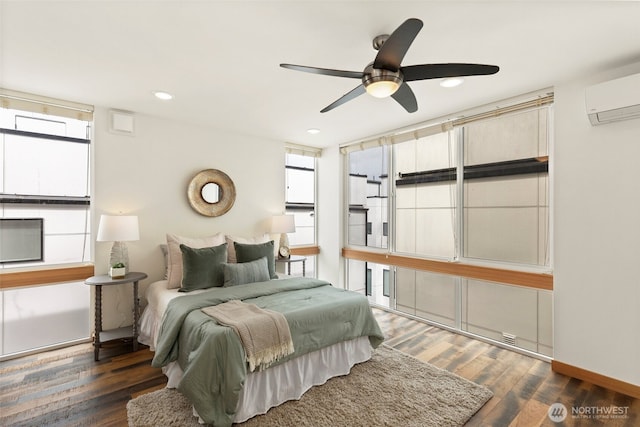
(294,258)
(101,336)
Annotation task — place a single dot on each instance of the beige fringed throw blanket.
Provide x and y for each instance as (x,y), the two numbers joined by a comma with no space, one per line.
(265,334)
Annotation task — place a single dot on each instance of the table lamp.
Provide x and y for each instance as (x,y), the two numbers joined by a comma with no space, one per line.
(118,229)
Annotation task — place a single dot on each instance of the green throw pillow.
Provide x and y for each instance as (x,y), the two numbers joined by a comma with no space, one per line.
(202,268)
(246,252)
(246,272)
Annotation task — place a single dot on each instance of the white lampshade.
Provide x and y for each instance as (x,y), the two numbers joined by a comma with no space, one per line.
(283,224)
(118,228)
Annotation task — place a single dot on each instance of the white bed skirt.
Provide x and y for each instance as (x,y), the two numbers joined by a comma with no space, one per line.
(269,388)
(289,381)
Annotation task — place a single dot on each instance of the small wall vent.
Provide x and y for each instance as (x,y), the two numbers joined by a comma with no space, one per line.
(122,122)
(508,338)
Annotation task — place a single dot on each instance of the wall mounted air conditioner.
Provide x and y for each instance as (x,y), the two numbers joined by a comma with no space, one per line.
(614,100)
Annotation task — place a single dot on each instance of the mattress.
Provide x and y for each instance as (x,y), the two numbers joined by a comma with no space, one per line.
(270,387)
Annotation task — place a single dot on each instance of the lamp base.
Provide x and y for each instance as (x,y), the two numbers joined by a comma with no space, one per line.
(119,255)
(283,247)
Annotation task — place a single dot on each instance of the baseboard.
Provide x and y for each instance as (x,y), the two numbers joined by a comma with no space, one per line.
(597,379)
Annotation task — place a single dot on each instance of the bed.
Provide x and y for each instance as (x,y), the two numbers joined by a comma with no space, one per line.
(332,329)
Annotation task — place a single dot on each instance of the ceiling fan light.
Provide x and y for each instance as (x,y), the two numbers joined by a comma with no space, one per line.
(381,83)
(383,88)
(165,96)
(451,82)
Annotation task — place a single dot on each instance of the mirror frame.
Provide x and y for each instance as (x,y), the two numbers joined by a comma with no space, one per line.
(227,192)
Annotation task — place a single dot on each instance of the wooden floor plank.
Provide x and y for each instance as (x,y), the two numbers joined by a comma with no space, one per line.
(66,387)
(533,413)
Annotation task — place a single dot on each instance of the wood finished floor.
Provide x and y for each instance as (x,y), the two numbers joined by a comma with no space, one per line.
(67,388)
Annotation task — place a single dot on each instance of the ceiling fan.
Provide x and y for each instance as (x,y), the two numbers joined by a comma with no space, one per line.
(386,77)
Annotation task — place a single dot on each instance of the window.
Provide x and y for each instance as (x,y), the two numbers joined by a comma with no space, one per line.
(474,191)
(506,196)
(300,197)
(370,279)
(44,179)
(21,239)
(368,197)
(426,195)
(44,173)
(427,295)
(300,201)
(502,213)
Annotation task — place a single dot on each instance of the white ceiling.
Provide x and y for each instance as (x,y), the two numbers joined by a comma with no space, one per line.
(221,59)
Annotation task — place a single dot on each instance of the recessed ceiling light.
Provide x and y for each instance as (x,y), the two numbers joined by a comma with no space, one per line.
(453,82)
(163,95)
(313,131)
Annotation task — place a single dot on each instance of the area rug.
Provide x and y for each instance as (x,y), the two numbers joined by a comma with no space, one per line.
(391,389)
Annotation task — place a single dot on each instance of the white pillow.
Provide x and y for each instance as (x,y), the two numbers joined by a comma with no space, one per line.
(231,249)
(174,274)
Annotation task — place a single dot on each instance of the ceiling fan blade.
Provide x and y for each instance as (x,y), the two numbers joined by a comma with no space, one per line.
(437,71)
(392,51)
(359,90)
(324,71)
(405,97)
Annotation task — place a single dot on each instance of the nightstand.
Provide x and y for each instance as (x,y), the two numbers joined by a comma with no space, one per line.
(130,332)
(294,258)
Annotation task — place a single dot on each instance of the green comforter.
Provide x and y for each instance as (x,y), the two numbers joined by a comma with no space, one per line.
(212,356)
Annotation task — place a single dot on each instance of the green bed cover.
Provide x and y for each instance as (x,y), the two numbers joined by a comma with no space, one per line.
(212,356)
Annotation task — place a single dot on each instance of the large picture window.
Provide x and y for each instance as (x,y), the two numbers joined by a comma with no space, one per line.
(45,205)
(472,192)
(479,191)
(44,173)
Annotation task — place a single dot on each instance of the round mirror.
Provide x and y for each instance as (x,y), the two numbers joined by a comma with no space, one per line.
(211,192)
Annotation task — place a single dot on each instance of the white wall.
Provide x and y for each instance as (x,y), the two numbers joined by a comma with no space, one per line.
(597,211)
(148,174)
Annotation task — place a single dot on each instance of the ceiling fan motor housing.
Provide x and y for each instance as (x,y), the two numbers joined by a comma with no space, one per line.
(381,77)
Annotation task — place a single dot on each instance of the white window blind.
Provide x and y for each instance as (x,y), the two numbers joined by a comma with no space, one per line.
(41,104)
(302,150)
(540,99)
